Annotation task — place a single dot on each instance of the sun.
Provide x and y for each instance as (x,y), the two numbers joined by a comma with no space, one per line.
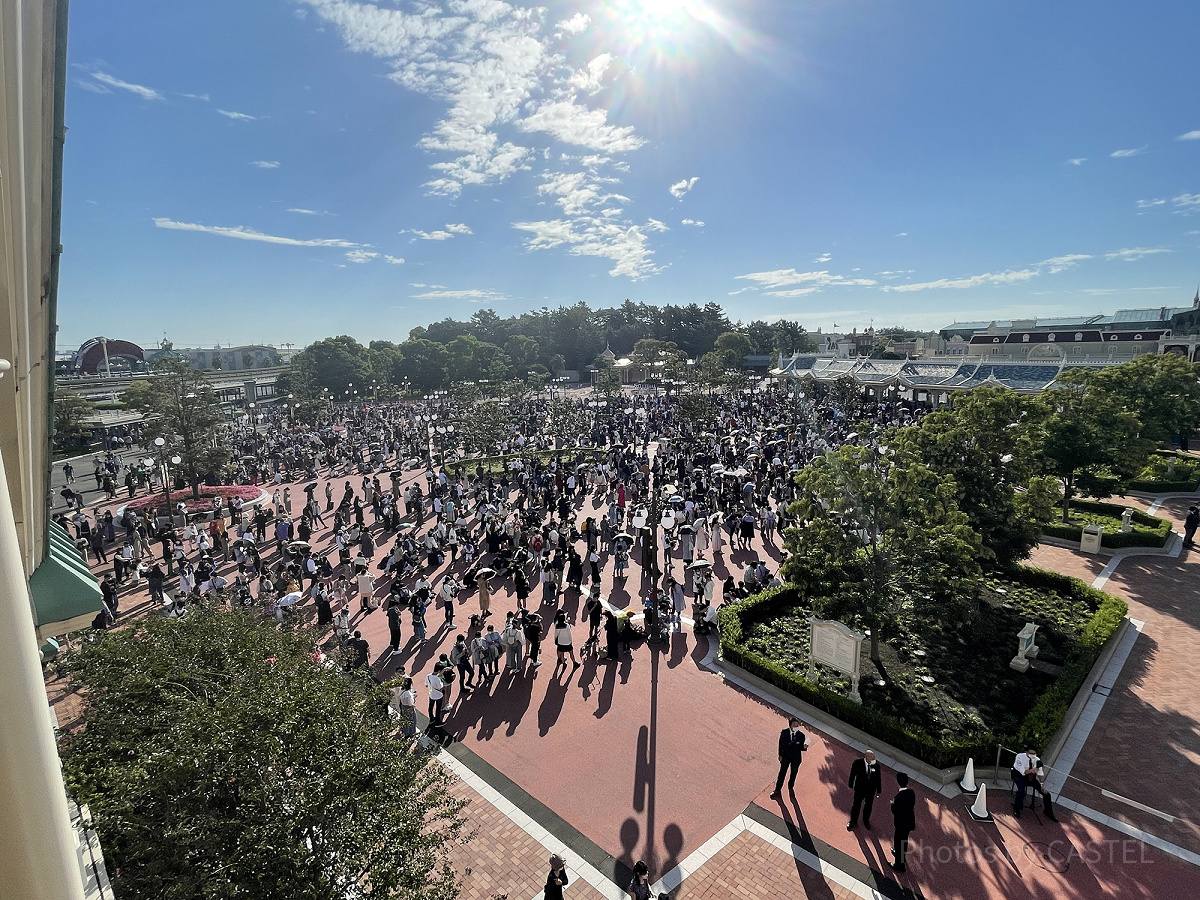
(654,17)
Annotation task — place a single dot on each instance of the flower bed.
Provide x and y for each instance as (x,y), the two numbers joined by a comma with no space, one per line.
(153,502)
(975,700)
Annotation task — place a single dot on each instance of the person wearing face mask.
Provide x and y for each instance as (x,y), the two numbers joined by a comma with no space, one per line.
(792,744)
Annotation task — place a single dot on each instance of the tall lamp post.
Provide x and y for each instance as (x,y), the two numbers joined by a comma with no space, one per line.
(160,446)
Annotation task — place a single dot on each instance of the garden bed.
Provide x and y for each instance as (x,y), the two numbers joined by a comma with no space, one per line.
(154,502)
(975,699)
(1156,478)
(1148,530)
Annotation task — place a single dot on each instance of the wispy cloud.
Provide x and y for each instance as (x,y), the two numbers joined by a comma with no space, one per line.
(696,222)
(236,116)
(1056,264)
(243,233)
(1149,204)
(265,164)
(1125,154)
(146,93)
(823,258)
(508,90)
(1077,161)
(680,189)
(1133,254)
(572,123)
(308,212)
(203,98)
(1189,136)
(969,281)
(473,295)
(450,231)
(1186,202)
(394,260)
(577,24)
(1051,266)
(620,242)
(781,282)
(361,256)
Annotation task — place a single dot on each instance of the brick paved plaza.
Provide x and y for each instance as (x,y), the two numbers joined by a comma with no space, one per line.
(657,757)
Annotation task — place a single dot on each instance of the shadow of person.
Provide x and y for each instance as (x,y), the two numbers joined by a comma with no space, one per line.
(630,833)
(608,684)
(679,646)
(552,704)
(642,776)
(673,844)
(625,667)
(521,690)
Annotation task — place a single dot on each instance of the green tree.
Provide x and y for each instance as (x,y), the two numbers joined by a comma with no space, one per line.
(220,761)
(1162,390)
(566,422)
(608,382)
(482,425)
(71,412)
(1089,440)
(338,364)
(425,364)
(182,409)
(733,347)
(880,530)
(985,444)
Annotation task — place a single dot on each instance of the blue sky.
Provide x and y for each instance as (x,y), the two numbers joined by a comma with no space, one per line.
(283,170)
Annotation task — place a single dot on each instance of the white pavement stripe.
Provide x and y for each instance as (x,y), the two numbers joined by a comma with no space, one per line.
(1132,831)
(1091,712)
(580,868)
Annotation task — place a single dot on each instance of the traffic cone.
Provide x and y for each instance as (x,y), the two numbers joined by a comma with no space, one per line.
(967,784)
(979,811)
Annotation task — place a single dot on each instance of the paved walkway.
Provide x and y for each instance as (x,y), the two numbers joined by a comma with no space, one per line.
(1145,746)
(657,758)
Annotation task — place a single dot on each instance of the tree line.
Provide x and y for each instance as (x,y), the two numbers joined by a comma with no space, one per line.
(538,343)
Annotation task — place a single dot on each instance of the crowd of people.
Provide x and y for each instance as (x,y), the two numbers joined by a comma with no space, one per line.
(361,514)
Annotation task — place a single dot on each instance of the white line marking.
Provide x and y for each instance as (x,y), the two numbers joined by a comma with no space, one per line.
(584,870)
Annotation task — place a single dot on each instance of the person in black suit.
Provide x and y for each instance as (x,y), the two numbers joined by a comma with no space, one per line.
(792,744)
(904,816)
(868,784)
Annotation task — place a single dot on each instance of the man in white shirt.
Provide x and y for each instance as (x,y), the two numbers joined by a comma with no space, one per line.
(433,682)
(1025,771)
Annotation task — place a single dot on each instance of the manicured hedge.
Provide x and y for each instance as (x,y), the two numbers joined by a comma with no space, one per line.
(1046,717)
(1041,723)
(1114,540)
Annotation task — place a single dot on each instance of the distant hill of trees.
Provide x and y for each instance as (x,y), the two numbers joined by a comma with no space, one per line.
(534,344)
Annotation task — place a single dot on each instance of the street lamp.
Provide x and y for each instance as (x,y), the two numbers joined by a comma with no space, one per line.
(160,445)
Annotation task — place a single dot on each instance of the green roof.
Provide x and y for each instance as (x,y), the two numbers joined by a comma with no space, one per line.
(66,596)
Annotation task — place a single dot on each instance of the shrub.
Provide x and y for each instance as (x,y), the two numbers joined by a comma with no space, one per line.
(1040,724)
(1148,531)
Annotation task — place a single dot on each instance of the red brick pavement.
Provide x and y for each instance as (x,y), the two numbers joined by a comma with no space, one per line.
(498,859)
(750,867)
(651,757)
(1148,734)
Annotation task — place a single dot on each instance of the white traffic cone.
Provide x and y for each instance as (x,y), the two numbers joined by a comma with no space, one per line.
(979,811)
(967,784)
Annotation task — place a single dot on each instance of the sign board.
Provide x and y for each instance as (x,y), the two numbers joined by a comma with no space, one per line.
(833,644)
